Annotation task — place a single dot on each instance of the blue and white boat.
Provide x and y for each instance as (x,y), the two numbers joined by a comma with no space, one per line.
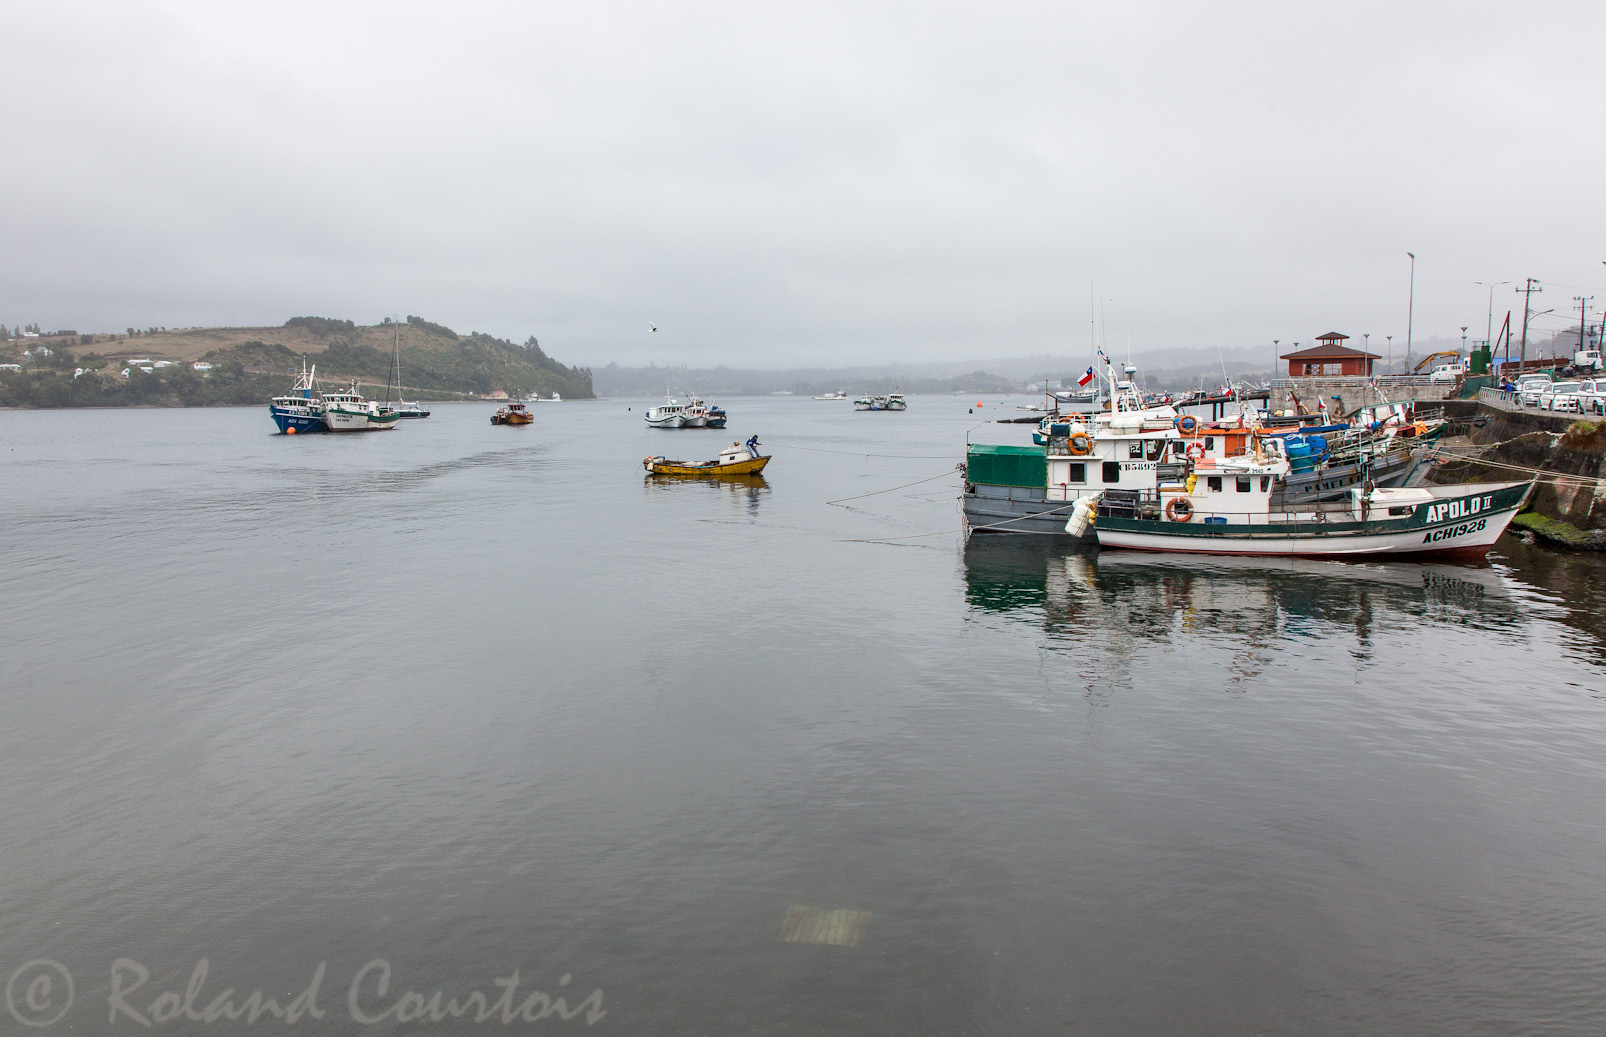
(302,409)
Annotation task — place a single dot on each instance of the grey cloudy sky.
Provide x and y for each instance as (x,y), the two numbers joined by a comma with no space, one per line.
(777,184)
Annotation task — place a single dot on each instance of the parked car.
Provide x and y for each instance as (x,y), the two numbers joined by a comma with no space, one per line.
(1562,396)
(1592,396)
(1529,386)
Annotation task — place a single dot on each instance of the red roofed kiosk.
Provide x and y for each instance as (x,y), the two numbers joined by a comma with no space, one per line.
(1330,359)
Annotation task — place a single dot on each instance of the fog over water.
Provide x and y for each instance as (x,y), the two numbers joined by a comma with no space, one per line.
(826,183)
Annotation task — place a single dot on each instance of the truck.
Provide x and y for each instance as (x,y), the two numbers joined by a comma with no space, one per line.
(1448,372)
(1585,361)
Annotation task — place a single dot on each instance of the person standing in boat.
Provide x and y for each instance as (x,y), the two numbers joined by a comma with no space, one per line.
(752,445)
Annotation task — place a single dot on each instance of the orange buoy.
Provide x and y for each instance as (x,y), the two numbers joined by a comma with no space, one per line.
(978,403)
(290,431)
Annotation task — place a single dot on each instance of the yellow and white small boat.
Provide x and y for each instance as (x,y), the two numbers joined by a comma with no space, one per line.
(735,459)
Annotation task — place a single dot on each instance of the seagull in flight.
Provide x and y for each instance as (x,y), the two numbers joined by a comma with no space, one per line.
(652,326)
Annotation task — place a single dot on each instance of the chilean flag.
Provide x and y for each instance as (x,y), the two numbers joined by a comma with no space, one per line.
(1085,378)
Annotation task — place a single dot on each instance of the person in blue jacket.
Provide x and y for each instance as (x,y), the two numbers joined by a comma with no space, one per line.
(752,445)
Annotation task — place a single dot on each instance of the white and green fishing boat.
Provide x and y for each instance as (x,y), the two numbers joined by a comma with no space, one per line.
(1243,507)
(350,411)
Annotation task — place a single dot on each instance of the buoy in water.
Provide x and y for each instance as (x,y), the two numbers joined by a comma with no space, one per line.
(290,431)
(978,403)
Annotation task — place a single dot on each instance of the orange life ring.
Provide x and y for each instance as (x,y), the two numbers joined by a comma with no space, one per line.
(1196,451)
(1179,509)
(1186,423)
(1080,445)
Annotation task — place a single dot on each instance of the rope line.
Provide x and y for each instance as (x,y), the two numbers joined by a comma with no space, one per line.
(1558,476)
(890,489)
(861,453)
(961,529)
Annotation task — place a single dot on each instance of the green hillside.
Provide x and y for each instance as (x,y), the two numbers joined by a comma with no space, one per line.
(249,365)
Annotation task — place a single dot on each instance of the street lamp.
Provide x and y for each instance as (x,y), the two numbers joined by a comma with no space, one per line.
(1463,342)
(1410,310)
(1388,365)
(1274,358)
(1488,333)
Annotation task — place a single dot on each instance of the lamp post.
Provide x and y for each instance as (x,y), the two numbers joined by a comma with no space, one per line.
(1410,310)
(1388,365)
(1274,357)
(1463,341)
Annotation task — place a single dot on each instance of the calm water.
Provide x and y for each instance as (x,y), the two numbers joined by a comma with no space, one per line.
(473,699)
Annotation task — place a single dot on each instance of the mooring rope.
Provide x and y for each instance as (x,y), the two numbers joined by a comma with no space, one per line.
(905,486)
(1526,469)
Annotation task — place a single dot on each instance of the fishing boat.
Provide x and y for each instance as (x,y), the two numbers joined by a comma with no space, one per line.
(895,401)
(865,402)
(300,410)
(840,394)
(735,459)
(349,411)
(1242,507)
(513,414)
(1136,446)
(716,416)
(670,414)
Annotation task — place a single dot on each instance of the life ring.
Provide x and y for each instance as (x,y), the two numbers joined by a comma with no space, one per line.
(1187,423)
(1196,451)
(1079,445)
(1179,509)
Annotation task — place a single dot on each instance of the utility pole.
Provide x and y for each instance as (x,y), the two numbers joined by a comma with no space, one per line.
(1410,312)
(1583,310)
(1526,291)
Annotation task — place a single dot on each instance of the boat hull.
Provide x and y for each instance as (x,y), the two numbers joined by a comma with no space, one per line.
(1463,521)
(673,421)
(295,423)
(346,421)
(663,466)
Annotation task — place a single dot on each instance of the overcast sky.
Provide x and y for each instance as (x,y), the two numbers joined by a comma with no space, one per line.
(778,184)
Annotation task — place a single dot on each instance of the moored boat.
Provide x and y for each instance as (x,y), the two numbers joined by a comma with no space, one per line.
(1241,507)
(350,411)
(669,414)
(300,410)
(735,459)
(513,414)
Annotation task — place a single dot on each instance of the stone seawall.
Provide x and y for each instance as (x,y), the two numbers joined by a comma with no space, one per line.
(1569,452)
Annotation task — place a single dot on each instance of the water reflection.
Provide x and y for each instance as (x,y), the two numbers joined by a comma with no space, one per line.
(1574,581)
(743,492)
(1071,593)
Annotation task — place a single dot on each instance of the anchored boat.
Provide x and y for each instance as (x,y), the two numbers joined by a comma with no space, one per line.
(512,414)
(349,411)
(735,459)
(300,410)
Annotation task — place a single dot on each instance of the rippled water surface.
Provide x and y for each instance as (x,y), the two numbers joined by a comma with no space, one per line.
(474,700)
